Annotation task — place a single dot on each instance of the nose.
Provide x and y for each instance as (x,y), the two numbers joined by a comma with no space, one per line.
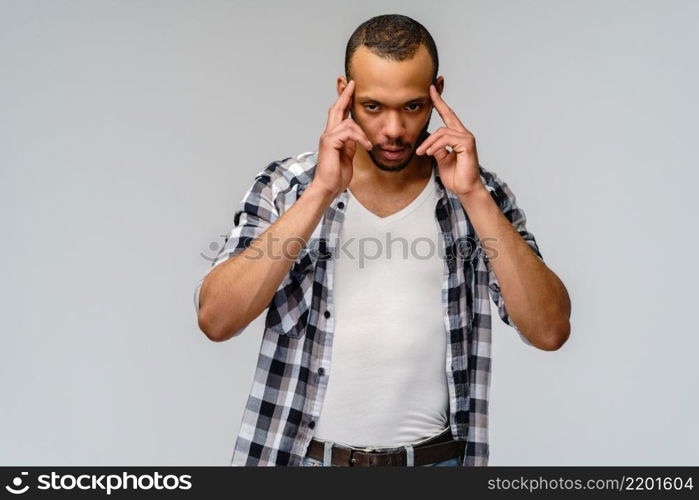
(393,127)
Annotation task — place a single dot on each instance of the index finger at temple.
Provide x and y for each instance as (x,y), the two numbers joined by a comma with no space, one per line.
(341,106)
(448,116)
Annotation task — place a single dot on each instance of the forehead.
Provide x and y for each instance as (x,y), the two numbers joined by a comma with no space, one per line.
(380,78)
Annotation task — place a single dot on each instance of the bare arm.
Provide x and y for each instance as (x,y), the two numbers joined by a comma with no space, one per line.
(235,293)
(538,304)
(537,300)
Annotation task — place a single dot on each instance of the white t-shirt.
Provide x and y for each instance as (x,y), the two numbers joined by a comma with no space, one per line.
(387,383)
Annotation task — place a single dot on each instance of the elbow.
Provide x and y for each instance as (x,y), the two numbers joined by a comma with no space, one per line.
(557,337)
(206,326)
(215,331)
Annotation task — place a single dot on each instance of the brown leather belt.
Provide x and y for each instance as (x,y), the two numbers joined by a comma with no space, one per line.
(436,449)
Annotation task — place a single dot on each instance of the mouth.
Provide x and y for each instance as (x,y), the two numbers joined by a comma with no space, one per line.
(393,154)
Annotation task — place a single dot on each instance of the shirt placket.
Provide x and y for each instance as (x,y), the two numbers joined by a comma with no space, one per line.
(324,318)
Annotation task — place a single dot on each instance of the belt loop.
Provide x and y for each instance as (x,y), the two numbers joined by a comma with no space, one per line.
(410,456)
(327,454)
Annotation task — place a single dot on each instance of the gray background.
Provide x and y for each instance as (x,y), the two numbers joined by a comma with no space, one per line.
(130,131)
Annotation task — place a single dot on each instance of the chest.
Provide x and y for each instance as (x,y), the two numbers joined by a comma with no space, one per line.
(382,204)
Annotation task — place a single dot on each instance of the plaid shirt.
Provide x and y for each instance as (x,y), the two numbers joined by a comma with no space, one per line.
(294,360)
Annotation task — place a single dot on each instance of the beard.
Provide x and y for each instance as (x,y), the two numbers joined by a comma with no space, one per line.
(376,159)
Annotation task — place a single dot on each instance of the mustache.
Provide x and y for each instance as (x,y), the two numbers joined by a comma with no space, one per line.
(424,134)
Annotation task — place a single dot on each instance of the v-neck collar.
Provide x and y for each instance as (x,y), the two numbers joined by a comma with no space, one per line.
(403,211)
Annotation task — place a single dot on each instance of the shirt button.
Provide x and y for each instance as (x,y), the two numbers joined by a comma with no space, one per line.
(340,205)
(326,313)
(311,424)
(321,370)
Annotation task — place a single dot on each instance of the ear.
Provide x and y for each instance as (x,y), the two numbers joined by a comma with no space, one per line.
(341,84)
(439,84)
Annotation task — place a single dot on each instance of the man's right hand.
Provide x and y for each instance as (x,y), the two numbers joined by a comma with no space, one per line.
(337,146)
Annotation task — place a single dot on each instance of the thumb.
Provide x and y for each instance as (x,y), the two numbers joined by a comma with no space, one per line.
(350,149)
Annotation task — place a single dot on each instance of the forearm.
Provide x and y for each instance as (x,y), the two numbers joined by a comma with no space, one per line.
(235,292)
(536,300)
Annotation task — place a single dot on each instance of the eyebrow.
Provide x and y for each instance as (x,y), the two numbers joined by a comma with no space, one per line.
(420,99)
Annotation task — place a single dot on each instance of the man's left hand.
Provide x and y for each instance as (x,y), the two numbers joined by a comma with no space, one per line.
(458,168)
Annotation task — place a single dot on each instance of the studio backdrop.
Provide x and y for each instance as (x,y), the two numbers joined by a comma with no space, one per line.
(131,130)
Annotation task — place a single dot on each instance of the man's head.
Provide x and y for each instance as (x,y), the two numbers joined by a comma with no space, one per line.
(392,60)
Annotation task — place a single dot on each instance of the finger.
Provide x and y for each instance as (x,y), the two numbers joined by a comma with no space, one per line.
(354,126)
(339,138)
(441,143)
(338,110)
(348,123)
(440,155)
(349,149)
(430,139)
(448,116)
(346,112)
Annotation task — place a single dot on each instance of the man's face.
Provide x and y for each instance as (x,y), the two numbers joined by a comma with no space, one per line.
(392,105)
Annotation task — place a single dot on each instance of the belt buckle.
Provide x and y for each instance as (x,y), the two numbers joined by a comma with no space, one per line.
(352,460)
(353,450)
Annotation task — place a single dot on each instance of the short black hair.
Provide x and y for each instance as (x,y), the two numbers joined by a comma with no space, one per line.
(394,37)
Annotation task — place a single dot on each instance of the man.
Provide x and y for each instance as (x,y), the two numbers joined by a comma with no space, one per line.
(381,361)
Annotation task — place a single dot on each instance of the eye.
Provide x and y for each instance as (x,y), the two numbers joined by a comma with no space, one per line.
(417,106)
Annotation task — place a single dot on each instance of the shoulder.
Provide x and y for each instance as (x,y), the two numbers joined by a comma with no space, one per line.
(281,183)
(291,172)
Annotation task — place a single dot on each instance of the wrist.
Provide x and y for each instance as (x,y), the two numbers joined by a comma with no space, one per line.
(320,193)
(476,196)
